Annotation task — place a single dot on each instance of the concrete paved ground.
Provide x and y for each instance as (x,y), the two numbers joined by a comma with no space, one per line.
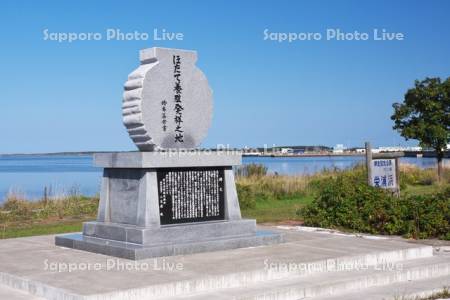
(8,293)
(35,265)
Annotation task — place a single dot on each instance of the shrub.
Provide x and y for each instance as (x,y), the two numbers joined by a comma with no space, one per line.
(427,216)
(346,201)
(17,208)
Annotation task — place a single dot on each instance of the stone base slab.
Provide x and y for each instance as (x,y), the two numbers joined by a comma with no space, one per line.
(184,233)
(134,251)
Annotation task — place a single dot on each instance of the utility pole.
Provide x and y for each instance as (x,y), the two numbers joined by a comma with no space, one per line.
(369,162)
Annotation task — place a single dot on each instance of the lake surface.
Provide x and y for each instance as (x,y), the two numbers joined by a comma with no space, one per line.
(65,174)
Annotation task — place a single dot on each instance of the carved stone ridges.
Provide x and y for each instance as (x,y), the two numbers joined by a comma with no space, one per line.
(132,108)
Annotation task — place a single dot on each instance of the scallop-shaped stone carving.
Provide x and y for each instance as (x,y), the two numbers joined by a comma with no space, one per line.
(167,103)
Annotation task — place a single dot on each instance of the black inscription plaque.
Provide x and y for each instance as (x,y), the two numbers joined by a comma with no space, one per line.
(191,194)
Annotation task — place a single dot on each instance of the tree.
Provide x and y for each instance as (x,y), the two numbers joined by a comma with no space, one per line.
(424,115)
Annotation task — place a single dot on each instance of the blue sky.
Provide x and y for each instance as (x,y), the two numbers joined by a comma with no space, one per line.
(67,96)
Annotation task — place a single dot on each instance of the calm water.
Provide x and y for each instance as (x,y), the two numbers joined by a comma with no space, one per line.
(28,175)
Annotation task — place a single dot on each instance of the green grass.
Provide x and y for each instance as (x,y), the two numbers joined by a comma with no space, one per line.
(277,210)
(40,229)
(20,218)
(423,190)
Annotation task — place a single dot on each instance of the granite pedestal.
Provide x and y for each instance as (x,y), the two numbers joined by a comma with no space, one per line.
(167,203)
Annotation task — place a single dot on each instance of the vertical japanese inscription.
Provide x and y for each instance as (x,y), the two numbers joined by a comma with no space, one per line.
(191,195)
(178,108)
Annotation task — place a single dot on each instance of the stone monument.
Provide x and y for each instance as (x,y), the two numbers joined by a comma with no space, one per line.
(169,198)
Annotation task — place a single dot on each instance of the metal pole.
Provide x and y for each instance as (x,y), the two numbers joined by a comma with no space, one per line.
(397,175)
(369,162)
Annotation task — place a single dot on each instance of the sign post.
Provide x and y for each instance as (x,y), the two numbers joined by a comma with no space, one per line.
(383,169)
(369,162)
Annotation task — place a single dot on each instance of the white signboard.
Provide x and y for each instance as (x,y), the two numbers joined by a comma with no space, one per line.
(383,173)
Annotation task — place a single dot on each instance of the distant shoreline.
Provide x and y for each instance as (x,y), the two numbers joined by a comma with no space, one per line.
(54,153)
(304,155)
(244,155)
(278,155)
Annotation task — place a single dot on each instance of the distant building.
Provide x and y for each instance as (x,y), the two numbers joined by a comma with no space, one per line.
(299,151)
(287,151)
(398,149)
(339,148)
(252,153)
(376,150)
